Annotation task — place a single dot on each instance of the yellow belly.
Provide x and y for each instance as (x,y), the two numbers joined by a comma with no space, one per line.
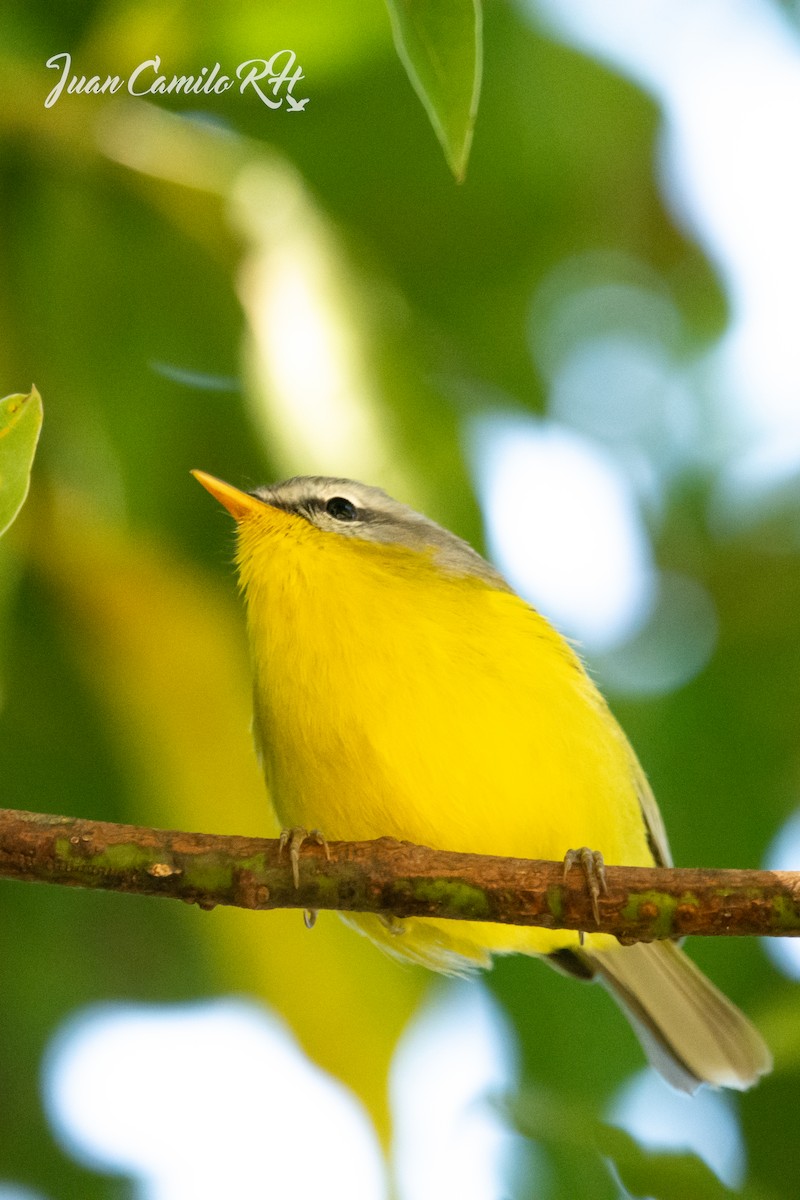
(437,710)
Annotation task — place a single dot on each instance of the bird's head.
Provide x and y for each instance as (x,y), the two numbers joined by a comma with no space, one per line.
(344,508)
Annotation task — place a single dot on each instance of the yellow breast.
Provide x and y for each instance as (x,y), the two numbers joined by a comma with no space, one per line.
(394,698)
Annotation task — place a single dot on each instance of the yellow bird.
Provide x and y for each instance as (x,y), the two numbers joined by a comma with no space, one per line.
(402,688)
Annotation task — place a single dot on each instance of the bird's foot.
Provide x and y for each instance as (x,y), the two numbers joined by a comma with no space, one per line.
(394,924)
(594,872)
(295,838)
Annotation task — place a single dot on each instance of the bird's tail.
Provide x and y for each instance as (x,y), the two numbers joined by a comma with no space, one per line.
(691,1033)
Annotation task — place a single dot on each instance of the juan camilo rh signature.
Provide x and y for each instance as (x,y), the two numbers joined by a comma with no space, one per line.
(272,79)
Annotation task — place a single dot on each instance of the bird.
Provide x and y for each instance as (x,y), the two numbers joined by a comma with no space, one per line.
(402,688)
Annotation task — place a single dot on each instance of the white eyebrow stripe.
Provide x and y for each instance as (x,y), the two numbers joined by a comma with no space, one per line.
(379,519)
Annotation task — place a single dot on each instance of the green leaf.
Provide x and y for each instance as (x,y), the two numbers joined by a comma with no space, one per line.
(440,43)
(569,1125)
(20,422)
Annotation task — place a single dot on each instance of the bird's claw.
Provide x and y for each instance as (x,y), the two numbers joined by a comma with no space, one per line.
(295,838)
(393,924)
(594,872)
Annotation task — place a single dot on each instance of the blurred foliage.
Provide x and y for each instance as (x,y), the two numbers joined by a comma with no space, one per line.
(20,423)
(605,1156)
(153,248)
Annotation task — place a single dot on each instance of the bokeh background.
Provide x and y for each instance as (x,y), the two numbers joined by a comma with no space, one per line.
(584,358)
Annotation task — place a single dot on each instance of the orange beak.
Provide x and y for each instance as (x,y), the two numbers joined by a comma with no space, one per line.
(239,504)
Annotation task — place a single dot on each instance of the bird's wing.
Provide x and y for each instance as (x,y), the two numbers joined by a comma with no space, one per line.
(656,830)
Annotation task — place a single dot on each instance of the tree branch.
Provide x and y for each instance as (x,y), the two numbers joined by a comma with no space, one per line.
(394,878)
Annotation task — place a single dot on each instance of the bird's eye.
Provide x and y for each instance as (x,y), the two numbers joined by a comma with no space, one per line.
(341,509)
